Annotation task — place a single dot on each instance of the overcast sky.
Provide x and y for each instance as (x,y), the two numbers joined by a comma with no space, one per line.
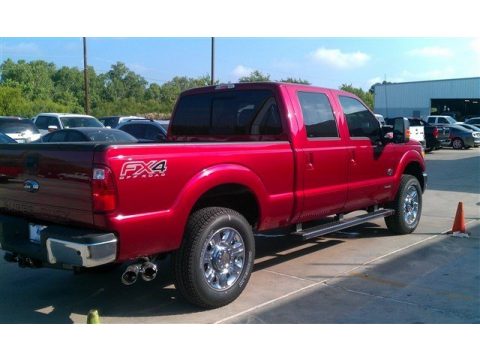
(327,62)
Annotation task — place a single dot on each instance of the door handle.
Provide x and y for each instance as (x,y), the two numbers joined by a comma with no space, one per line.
(310,160)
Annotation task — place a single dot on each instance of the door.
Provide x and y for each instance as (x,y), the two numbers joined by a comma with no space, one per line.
(370,163)
(322,156)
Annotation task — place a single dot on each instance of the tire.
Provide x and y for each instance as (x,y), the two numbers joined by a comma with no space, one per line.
(407,206)
(206,272)
(457,143)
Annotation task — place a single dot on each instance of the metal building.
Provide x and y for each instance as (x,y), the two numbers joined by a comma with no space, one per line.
(459,98)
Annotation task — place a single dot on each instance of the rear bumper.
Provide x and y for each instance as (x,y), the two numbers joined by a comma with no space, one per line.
(58,246)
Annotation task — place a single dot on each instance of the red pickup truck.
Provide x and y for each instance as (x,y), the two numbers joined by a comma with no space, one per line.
(240,159)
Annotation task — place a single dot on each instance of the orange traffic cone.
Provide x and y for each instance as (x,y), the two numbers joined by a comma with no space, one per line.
(458,229)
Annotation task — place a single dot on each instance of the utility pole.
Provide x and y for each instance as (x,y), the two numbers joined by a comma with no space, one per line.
(85,76)
(212,76)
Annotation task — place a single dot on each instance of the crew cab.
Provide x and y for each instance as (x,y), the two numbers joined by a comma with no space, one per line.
(239,159)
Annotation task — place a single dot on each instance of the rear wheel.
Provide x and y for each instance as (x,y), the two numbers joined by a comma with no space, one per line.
(457,144)
(407,206)
(215,261)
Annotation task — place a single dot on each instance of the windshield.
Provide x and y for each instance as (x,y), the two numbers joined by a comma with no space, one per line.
(450,120)
(4,139)
(77,121)
(17,126)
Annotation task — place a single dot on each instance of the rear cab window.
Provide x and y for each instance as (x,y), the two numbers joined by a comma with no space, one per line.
(318,116)
(246,114)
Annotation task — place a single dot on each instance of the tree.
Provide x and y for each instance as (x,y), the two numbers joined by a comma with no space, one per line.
(372,88)
(255,76)
(295,81)
(34,78)
(366,96)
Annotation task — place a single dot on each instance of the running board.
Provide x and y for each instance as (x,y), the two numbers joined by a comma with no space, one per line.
(334,226)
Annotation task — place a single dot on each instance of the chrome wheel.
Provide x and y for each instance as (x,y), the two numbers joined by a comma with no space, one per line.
(223,257)
(410,205)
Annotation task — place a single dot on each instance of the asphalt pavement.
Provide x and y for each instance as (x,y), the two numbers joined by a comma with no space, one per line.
(360,275)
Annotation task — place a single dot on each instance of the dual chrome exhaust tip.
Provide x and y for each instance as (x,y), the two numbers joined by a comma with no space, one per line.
(147,270)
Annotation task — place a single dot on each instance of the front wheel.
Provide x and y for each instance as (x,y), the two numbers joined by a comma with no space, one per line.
(215,261)
(407,206)
(457,144)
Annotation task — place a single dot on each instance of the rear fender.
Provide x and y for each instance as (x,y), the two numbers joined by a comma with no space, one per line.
(210,178)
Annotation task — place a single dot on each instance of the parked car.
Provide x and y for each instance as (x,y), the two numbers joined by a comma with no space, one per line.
(440,120)
(5,139)
(47,122)
(469,126)
(240,158)
(88,134)
(417,131)
(461,137)
(114,121)
(435,135)
(473,121)
(145,130)
(22,131)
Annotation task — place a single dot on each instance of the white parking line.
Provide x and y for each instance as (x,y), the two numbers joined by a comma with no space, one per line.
(324,281)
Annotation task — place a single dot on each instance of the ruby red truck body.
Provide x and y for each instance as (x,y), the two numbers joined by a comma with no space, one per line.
(274,180)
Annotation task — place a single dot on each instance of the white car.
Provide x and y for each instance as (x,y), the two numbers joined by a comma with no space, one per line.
(48,122)
(22,131)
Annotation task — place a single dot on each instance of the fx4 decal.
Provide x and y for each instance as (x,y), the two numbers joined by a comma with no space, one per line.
(143,169)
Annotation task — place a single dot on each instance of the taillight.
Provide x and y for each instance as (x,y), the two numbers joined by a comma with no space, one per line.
(435,132)
(407,135)
(104,193)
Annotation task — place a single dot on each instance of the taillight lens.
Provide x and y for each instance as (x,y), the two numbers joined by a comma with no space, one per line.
(435,132)
(104,193)
(407,134)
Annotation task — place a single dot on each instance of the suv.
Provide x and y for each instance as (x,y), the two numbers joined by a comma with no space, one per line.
(115,121)
(48,122)
(145,130)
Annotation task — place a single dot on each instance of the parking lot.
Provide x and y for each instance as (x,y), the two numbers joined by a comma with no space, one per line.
(361,275)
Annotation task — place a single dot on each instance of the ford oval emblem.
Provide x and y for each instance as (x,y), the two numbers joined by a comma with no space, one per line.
(31,185)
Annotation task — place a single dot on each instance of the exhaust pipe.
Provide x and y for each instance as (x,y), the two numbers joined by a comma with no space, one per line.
(130,276)
(148,271)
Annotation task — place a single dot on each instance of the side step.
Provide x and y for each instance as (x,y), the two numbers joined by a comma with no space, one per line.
(331,227)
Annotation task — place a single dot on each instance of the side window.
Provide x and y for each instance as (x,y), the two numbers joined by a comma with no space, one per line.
(153,133)
(42,122)
(360,121)
(54,122)
(318,115)
(134,130)
(442,121)
(267,121)
(431,120)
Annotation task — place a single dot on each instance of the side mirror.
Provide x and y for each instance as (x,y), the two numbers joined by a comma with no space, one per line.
(52,128)
(401,131)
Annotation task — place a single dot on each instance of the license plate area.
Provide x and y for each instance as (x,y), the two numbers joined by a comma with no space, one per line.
(34,231)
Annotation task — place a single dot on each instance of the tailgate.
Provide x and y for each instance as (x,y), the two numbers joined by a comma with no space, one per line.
(417,133)
(47,182)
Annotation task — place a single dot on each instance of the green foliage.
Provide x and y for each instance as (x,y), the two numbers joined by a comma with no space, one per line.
(295,81)
(27,88)
(255,76)
(366,96)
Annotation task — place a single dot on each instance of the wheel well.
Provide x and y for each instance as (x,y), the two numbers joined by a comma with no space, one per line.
(415,169)
(233,196)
